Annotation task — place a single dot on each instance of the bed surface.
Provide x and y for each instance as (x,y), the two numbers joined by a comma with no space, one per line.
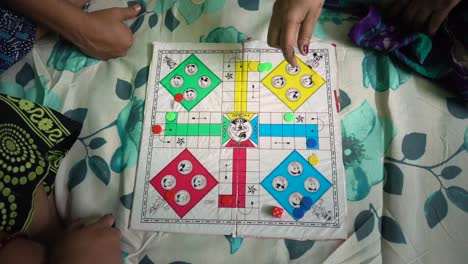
(405,142)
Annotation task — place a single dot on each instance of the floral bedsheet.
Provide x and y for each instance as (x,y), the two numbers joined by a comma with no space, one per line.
(405,142)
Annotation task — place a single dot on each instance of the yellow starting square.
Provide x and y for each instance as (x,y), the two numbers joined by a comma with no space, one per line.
(293,85)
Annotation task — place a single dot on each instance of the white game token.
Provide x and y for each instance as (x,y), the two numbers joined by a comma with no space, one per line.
(177,81)
(182,198)
(278,81)
(204,82)
(191,69)
(293,94)
(168,182)
(280,183)
(184,167)
(198,182)
(295,199)
(190,94)
(292,70)
(307,81)
(311,184)
(295,168)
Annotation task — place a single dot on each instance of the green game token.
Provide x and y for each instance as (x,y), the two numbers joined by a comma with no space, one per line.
(264,67)
(288,117)
(171,116)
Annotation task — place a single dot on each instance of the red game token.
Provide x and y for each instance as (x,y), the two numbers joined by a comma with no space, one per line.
(178,98)
(157,129)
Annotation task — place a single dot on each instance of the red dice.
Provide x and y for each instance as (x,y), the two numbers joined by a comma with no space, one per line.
(277,212)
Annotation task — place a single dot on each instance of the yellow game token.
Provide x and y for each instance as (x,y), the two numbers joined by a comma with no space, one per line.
(314,160)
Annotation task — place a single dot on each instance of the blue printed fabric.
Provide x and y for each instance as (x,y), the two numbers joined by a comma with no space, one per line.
(17,36)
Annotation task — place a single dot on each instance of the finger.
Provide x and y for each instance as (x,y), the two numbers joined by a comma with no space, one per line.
(291,24)
(436,20)
(420,20)
(75,225)
(397,7)
(274,30)
(126,13)
(105,221)
(409,16)
(306,31)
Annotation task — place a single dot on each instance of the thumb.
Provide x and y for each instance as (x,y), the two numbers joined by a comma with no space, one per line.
(105,221)
(126,13)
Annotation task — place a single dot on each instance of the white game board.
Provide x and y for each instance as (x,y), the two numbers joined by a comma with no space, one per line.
(232,135)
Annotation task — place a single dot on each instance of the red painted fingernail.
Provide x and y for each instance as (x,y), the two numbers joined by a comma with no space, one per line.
(305,48)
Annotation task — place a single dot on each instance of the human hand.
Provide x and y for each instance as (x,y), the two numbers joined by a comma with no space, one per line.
(98,243)
(104,35)
(422,15)
(290,17)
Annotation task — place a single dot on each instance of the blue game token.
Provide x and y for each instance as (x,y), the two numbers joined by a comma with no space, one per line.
(306,203)
(298,213)
(311,143)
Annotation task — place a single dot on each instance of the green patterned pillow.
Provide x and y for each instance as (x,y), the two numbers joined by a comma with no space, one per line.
(33,141)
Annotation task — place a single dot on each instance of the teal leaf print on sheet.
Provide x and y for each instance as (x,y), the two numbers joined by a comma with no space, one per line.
(163,5)
(188,9)
(459,197)
(327,16)
(457,107)
(25,75)
(435,208)
(344,99)
(97,143)
(364,224)
(191,10)
(450,172)
(171,21)
(224,35)
(251,5)
(297,248)
(123,89)
(379,71)
(141,77)
(466,139)
(129,125)
(79,114)
(137,24)
(153,20)
(234,242)
(100,168)
(65,56)
(126,200)
(77,174)
(391,230)
(145,260)
(414,146)
(366,137)
(393,179)
(37,91)
(12,89)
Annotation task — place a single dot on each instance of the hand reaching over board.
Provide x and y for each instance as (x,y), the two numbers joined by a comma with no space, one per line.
(104,35)
(290,17)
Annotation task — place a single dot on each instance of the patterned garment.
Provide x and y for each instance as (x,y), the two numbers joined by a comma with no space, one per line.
(433,58)
(33,142)
(17,36)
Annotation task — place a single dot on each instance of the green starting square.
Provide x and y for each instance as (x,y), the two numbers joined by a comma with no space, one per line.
(193,80)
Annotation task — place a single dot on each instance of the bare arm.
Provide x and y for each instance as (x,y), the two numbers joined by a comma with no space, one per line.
(101,34)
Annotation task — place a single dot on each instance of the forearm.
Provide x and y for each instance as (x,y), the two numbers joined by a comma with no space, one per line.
(57,15)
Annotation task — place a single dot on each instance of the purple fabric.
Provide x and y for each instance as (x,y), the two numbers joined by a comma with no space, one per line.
(431,58)
(17,36)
